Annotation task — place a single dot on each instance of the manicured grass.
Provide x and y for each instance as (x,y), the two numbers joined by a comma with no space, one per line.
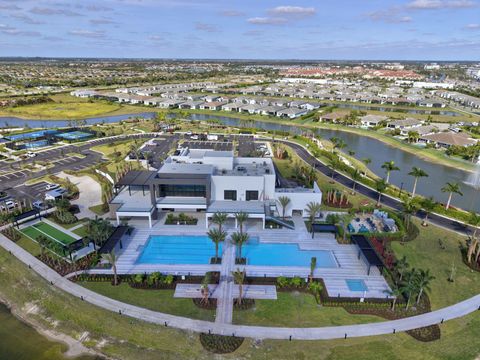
(68,226)
(297,309)
(98,209)
(81,231)
(54,233)
(157,300)
(29,245)
(425,253)
(55,110)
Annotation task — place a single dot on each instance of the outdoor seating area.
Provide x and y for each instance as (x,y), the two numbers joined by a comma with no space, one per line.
(378,221)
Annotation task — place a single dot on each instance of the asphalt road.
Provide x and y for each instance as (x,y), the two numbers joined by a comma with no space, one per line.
(373,194)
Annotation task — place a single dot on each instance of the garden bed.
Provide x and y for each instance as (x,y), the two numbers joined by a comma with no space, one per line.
(218,344)
(181,219)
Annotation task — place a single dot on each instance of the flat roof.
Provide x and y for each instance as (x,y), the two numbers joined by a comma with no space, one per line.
(183,168)
(136,177)
(231,207)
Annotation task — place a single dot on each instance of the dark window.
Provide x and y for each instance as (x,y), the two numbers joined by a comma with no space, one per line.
(230,194)
(183,190)
(251,195)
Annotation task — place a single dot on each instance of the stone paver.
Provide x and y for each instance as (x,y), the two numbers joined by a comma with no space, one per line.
(260,332)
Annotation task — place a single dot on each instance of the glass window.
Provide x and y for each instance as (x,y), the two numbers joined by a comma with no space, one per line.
(251,195)
(230,195)
(182,190)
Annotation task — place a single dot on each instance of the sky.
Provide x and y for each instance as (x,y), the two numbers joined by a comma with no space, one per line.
(248,29)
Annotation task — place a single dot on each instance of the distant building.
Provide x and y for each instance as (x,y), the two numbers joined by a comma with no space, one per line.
(372,120)
(447,139)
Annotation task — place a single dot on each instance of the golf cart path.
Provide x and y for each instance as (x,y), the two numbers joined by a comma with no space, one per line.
(260,332)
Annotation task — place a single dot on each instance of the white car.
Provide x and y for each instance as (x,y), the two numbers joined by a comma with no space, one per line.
(9,205)
(31,154)
(194,137)
(51,186)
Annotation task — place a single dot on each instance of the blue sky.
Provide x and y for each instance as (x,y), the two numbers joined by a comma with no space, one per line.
(248,29)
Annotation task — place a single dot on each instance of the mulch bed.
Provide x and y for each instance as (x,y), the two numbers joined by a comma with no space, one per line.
(210,304)
(246,304)
(218,344)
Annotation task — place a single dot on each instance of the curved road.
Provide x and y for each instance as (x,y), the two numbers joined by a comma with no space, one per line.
(386,200)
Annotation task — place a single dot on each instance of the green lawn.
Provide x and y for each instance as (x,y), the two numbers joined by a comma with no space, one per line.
(297,309)
(157,300)
(55,233)
(81,231)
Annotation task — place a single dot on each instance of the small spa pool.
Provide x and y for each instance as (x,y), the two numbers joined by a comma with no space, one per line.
(356,285)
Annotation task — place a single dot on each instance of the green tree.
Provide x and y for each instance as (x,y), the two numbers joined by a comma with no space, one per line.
(409,207)
(313,265)
(389,166)
(356,176)
(396,292)
(402,267)
(241,218)
(284,201)
(427,204)
(112,259)
(239,239)
(219,219)
(217,236)
(239,278)
(474,221)
(416,173)
(381,186)
(451,188)
(423,280)
(313,208)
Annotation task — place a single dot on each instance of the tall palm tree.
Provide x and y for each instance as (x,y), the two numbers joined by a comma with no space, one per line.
(356,176)
(474,220)
(219,219)
(389,166)
(451,188)
(217,236)
(416,173)
(42,241)
(284,201)
(239,278)
(411,286)
(402,267)
(204,290)
(333,163)
(409,207)
(239,239)
(313,265)
(381,185)
(111,258)
(395,291)
(313,208)
(423,279)
(427,204)
(241,218)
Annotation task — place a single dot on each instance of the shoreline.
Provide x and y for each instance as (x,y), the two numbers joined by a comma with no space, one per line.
(75,348)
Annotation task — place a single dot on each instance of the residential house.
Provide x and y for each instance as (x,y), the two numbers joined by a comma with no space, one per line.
(447,139)
(369,121)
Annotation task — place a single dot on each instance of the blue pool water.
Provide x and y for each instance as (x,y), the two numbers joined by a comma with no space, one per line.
(161,249)
(356,285)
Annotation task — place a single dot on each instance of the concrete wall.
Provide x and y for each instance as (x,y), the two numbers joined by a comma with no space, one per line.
(262,184)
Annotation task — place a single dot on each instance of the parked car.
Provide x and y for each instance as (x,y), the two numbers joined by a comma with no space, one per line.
(9,205)
(39,205)
(194,137)
(51,187)
(31,154)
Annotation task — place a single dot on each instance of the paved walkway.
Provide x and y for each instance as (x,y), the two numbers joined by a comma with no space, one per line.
(260,332)
(225,300)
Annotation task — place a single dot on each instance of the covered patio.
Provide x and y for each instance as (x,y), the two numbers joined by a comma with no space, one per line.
(254,210)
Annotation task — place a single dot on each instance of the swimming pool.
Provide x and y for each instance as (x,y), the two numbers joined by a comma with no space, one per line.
(356,285)
(180,250)
(275,254)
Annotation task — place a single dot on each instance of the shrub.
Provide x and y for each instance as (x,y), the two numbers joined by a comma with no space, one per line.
(220,344)
(282,281)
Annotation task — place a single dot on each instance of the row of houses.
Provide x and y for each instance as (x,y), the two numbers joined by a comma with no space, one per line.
(465,100)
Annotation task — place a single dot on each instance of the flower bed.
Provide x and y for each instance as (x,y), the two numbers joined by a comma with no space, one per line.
(181,219)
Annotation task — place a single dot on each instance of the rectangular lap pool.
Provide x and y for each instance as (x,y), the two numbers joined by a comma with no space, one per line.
(180,250)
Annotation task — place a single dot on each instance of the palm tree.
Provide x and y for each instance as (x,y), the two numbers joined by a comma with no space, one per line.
(217,236)
(416,173)
(205,291)
(284,201)
(423,280)
(239,278)
(313,265)
(333,163)
(367,161)
(239,239)
(410,287)
(389,166)
(313,208)
(474,220)
(219,219)
(413,136)
(451,188)
(111,259)
(381,185)
(42,241)
(98,230)
(427,204)
(356,176)
(396,292)
(402,266)
(241,217)
(409,207)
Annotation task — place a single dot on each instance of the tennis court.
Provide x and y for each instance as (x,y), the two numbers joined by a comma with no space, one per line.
(74,135)
(43,229)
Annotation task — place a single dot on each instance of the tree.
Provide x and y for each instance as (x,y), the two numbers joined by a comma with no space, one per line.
(241,218)
(356,176)
(474,220)
(204,290)
(402,267)
(409,207)
(239,278)
(381,185)
(313,265)
(416,173)
(410,287)
(239,239)
(284,201)
(217,236)
(423,279)
(111,259)
(395,292)
(412,136)
(333,163)
(389,166)
(43,242)
(427,204)
(219,219)
(313,208)
(367,161)
(316,288)
(451,188)
(98,230)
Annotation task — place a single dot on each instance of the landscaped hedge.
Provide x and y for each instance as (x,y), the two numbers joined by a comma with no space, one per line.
(181,219)
(220,344)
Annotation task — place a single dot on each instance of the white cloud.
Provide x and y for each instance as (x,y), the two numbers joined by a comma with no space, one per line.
(440,4)
(393,16)
(472,27)
(88,33)
(267,21)
(232,13)
(293,10)
(206,27)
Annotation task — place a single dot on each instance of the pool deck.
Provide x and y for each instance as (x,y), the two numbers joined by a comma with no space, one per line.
(193,291)
(349,266)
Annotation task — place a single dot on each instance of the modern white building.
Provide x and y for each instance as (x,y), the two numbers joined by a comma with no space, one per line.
(209,181)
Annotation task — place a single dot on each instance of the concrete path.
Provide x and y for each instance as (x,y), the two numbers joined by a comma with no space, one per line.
(90,194)
(225,300)
(260,332)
